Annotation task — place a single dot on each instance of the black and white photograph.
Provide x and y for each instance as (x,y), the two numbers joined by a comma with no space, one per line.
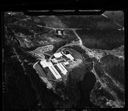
(64,61)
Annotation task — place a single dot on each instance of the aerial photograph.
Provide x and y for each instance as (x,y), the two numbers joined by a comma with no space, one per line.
(63,61)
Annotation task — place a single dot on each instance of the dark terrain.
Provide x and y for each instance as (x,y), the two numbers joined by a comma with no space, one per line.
(23,87)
